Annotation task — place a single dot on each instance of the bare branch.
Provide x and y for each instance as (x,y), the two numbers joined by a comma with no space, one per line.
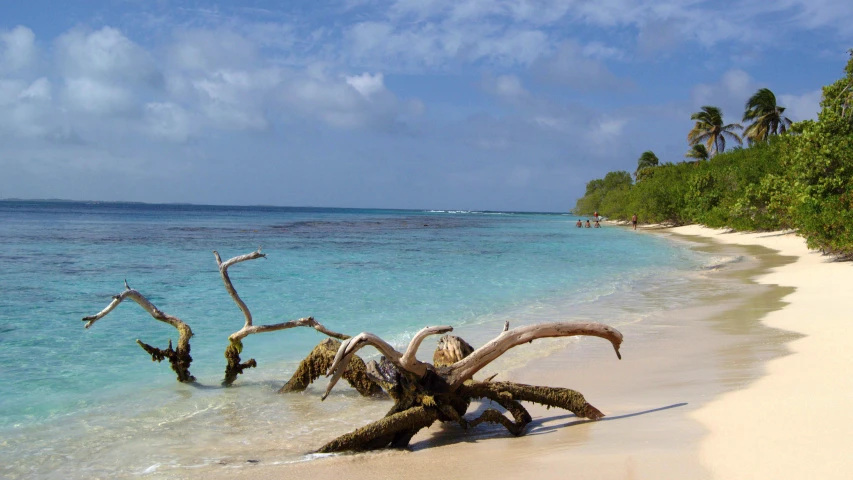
(180,357)
(223,271)
(232,353)
(464,369)
(144,303)
(302,322)
(352,345)
(409,359)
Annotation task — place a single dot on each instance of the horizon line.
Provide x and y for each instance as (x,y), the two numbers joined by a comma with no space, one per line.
(133,202)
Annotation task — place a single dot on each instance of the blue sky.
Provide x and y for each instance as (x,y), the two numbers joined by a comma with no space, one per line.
(457,104)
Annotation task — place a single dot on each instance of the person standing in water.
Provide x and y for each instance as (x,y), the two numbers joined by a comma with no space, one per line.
(634,221)
(579,224)
(597,225)
(587,224)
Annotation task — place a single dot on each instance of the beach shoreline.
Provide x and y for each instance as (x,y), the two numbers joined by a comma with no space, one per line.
(656,400)
(794,421)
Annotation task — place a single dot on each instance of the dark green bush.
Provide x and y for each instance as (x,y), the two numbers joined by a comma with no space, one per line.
(819,165)
(801,180)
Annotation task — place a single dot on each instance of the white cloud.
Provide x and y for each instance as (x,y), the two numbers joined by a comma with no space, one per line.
(366,84)
(169,121)
(235,99)
(211,50)
(569,66)
(605,130)
(40,89)
(439,45)
(507,87)
(801,107)
(602,51)
(358,101)
(730,94)
(104,72)
(106,55)
(18,50)
(656,36)
(98,97)
(26,108)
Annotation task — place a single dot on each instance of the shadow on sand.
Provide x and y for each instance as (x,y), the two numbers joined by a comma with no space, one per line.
(450,434)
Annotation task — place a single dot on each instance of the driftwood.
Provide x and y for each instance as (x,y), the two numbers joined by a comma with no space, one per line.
(179,358)
(425,393)
(311,368)
(320,360)
(234,365)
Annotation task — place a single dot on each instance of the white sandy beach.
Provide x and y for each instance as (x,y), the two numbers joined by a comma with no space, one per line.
(796,421)
(697,401)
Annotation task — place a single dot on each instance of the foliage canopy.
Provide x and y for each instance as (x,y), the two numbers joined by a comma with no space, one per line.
(796,175)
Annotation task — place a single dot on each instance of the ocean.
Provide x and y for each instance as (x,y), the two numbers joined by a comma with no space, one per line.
(77,403)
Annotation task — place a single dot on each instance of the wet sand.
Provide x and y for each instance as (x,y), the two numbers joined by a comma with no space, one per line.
(796,420)
(676,365)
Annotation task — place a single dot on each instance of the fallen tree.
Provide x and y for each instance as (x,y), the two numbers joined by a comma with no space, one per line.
(179,358)
(424,393)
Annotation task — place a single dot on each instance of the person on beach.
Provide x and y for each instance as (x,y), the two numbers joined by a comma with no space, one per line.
(587,224)
(595,215)
(579,224)
(634,221)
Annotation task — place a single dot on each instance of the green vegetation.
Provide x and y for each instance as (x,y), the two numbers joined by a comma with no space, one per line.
(796,175)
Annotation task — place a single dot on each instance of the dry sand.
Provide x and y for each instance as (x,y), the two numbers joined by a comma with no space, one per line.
(797,420)
(706,392)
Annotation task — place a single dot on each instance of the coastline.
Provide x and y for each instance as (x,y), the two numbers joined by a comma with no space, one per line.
(795,421)
(653,400)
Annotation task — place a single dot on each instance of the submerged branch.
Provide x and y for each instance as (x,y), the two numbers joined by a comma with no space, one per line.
(235,366)
(179,358)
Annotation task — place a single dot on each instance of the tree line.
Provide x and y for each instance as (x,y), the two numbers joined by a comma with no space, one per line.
(787,176)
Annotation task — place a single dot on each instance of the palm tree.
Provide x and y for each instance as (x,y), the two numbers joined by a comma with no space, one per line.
(709,129)
(765,115)
(698,153)
(647,160)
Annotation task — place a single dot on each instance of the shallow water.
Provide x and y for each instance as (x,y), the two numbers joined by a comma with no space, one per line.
(78,403)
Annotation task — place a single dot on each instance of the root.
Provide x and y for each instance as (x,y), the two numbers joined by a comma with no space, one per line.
(234,367)
(564,398)
(493,416)
(319,361)
(450,350)
(395,430)
(179,359)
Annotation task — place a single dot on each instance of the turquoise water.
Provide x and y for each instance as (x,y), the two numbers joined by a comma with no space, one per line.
(78,403)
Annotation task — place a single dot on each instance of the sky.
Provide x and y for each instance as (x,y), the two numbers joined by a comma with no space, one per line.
(427,104)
